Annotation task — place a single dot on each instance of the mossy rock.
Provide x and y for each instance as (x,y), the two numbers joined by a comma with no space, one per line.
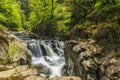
(12,50)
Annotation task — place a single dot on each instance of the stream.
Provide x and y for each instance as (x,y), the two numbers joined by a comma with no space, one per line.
(47,55)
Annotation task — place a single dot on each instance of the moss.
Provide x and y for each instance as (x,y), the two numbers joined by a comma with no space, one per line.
(15,70)
(32,67)
(3,28)
(111,37)
(92,47)
(10,78)
(12,49)
(118,54)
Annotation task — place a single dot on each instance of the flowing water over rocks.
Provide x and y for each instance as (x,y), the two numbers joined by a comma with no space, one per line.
(83,58)
(15,59)
(49,59)
(47,55)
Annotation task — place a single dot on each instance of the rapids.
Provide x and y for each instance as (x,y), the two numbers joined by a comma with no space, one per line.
(47,55)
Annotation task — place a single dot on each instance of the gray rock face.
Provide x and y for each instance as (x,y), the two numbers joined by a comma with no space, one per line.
(89,61)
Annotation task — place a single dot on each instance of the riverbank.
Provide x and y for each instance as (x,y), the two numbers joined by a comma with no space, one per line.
(85,59)
(16,59)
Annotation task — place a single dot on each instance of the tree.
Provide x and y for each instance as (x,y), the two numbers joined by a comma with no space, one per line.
(11,15)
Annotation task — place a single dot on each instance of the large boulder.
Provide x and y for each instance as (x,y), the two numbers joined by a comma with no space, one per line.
(90,61)
(12,50)
(23,72)
(66,78)
(110,69)
(15,59)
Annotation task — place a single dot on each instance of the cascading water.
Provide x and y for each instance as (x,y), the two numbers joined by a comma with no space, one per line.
(47,55)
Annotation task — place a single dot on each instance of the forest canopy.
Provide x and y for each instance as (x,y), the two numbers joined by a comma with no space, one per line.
(58,17)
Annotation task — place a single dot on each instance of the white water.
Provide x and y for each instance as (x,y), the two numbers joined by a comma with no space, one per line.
(44,56)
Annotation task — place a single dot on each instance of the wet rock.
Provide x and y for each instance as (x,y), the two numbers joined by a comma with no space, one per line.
(88,60)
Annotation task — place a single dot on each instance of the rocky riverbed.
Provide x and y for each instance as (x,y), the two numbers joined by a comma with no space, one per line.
(84,60)
(88,60)
(16,59)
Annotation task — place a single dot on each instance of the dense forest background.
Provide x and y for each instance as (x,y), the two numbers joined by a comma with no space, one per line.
(62,18)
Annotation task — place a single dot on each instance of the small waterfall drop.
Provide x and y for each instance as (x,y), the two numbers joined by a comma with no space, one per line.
(48,57)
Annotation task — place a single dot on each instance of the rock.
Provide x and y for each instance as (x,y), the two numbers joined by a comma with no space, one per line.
(12,50)
(34,78)
(87,60)
(66,78)
(111,69)
(15,59)
(7,67)
(23,56)
(20,73)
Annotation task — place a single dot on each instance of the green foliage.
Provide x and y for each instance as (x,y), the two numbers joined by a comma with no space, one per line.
(32,67)
(10,78)
(15,70)
(104,5)
(50,18)
(40,11)
(62,18)
(54,18)
(3,28)
(11,14)
(12,49)
(118,54)
(92,47)
(98,5)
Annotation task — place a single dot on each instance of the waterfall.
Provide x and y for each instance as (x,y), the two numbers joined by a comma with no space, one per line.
(48,57)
